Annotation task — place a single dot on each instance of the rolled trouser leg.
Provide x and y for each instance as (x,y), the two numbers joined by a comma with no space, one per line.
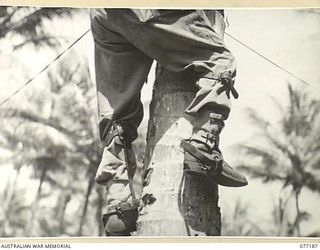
(210,108)
(113,165)
(123,183)
(121,70)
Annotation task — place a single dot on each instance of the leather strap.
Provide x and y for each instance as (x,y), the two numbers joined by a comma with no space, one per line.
(129,156)
(204,158)
(216,116)
(202,136)
(131,166)
(123,207)
(210,170)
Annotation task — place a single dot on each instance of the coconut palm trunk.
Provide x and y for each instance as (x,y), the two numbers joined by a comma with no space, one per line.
(289,150)
(7,202)
(185,204)
(86,203)
(64,200)
(34,206)
(297,222)
(99,207)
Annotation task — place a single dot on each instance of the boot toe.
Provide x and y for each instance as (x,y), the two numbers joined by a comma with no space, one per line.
(230,177)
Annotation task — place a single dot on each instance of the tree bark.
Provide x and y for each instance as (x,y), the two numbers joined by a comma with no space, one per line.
(99,213)
(34,206)
(11,192)
(186,204)
(86,203)
(297,222)
(65,198)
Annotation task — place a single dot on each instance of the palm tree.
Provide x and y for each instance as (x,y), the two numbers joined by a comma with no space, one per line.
(238,222)
(12,223)
(40,153)
(290,150)
(29,24)
(282,226)
(55,132)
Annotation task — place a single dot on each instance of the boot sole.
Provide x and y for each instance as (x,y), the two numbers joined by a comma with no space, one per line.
(226,176)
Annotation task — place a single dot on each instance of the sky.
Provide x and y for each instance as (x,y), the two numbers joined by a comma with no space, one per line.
(287,37)
(291,40)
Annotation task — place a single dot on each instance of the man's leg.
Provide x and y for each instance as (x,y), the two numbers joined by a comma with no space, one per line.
(121,70)
(181,40)
(178,39)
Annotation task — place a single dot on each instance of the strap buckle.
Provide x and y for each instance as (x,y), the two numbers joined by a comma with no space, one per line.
(214,169)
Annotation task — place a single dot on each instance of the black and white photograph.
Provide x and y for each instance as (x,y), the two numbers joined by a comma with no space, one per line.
(138,122)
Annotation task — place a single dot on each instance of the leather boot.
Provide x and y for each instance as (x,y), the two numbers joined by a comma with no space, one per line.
(202,153)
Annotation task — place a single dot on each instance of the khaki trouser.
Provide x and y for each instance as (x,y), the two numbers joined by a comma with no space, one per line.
(126,43)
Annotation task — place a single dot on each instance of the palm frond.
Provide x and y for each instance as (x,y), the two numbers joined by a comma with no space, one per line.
(269,159)
(257,119)
(29,21)
(260,173)
(31,116)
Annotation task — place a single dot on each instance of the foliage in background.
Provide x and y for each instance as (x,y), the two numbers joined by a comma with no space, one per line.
(288,151)
(28,24)
(239,222)
(54,134)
